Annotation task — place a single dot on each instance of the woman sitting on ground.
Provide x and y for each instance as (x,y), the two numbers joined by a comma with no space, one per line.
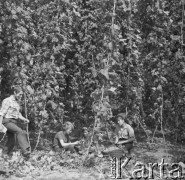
(61,140)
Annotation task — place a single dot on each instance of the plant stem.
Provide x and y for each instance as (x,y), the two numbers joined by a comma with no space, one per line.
(27,128)
(91,139)
(107,131)
(162,120)
(129,54)
(154,133)
(3,137)
(37,140)
(143,128)
(113,19)
(25,108)
(182,36)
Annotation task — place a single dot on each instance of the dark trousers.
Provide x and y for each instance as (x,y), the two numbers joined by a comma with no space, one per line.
(128,147)
(15,133)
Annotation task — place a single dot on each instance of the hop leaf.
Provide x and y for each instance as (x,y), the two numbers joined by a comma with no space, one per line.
(44,114)
(105,73)
(30,90)
(112,89)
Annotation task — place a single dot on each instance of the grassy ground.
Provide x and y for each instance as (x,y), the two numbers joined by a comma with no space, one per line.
(44,165)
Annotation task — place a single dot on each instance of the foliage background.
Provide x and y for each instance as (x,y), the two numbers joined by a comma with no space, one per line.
(79,60)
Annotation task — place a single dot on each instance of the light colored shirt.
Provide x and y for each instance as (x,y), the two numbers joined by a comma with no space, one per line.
(10,108)
(125,132)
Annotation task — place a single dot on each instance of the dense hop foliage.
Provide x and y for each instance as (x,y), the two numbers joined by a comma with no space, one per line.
(77,60)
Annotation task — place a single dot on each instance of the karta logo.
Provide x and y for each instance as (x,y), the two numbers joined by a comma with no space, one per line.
(141,170)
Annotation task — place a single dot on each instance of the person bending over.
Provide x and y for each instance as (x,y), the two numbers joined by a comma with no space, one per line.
(61,140)
(124,134)
(9,116)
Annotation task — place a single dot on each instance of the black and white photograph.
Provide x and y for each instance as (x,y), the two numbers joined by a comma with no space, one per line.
(92,89)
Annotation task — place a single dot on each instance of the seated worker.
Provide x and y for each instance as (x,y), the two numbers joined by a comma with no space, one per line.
(86,139)
(61,140)
(124,134)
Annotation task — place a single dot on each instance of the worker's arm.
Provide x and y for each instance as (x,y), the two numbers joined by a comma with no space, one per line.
(63,144)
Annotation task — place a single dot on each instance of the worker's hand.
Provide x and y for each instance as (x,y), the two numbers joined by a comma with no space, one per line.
(26,120)
(77,142)
(116,142)
(1,128)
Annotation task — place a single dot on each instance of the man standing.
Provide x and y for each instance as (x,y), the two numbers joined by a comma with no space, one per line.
(9,116)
